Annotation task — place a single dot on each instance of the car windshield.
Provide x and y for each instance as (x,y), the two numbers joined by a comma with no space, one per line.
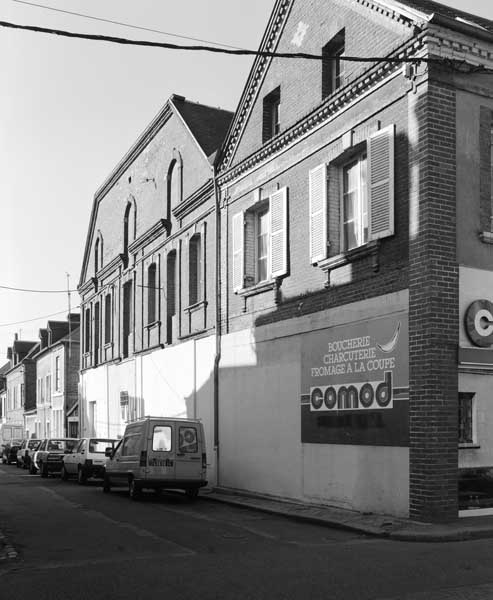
(61,444)
(99,446)
(33,444)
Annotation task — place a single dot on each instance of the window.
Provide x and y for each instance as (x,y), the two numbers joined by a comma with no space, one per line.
(107,319)
(161,439)
(332,66)
(87,330)
(131,444)
(48,388)
(188,442)
(127,318)
(23,399)
(96,256)
(57,373)
(363,180)
(92,417)
(466,419)
(195,269)
(260,241)
(151,293)
(271,115)
(171,294)
(97,327)
(354,208)
(124,406)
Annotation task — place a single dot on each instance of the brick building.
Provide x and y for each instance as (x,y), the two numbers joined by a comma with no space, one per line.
(357,271)
(57,379)
(148,278)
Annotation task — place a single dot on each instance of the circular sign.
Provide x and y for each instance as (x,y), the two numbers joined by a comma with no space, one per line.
(479,323)
(317,398)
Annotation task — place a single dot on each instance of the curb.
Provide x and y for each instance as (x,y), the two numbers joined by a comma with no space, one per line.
(7,551)
(387,530)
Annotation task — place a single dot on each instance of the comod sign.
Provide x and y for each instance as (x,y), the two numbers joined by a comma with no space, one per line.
(355,383)
(479,323)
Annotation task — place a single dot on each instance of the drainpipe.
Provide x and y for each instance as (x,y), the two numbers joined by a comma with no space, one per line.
(217,357)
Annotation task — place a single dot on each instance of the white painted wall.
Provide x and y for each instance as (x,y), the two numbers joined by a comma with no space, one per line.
(260,422)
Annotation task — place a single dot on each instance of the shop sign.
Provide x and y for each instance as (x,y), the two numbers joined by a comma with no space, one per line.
(356,369)
(479,323)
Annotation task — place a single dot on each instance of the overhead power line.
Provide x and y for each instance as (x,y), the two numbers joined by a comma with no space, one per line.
(60,312)
(235,52)
(123,24)
(6,287)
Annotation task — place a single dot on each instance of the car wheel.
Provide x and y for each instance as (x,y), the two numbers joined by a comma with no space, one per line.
(106,484)
(81,476)
(4,461)
(63,473)
(192,493)
(133,489)
(43,470)
(17,464)
(32,469)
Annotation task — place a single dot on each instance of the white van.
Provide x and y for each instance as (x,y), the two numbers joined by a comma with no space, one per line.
(158,453)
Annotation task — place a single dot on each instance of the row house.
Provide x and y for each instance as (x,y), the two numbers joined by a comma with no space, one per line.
(21,382)
(319,290)
(147,285)
(3,391)
(57,380)
(357,310)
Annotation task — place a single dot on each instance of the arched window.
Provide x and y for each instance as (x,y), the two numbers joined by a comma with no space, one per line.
(195,269)
(129,225)
(151,293)
(174,183)
(96,256)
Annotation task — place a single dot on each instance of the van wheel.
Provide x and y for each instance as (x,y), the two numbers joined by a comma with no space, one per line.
(106,484)
(133,489)
(81,476)
(192,494)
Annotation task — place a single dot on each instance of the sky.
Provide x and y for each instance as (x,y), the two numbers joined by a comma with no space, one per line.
(70,110)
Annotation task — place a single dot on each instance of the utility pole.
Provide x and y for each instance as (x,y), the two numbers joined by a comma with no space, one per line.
(69,321)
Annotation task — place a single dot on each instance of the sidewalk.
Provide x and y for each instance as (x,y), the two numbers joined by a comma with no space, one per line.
(378,525)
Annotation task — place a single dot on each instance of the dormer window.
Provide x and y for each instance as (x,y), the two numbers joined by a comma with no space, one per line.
(332,66)
(271,117)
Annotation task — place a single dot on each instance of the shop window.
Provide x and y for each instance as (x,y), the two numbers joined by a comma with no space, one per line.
(260,241)
(332,66)
(271,114)
(466,419)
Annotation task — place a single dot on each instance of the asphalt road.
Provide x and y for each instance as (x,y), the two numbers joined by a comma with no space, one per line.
(74,542)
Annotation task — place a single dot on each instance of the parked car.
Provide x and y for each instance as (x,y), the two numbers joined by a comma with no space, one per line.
(158,453)
(87,459)
(26,451)
(9,432)
(9,452)
(49,458)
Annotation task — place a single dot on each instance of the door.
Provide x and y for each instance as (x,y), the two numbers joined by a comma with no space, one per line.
(160,460)
(188,452)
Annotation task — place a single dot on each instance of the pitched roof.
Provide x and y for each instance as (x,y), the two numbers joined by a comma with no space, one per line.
(207,124)
(23,346)
(4,368)
(430,7)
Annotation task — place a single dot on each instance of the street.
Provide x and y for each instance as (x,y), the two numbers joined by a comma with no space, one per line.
(74,542)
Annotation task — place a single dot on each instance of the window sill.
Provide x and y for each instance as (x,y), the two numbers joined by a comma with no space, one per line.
(152,325)
(370,249)
(194,307)
(486,237)
(257,288)
(469,446)
(108,345)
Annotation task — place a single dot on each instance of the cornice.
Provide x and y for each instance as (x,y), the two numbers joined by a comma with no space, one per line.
(194,200)
(150,235)
(325,111)
(87,285)
(111,266)
(259,67)
(446,43)
(404,15)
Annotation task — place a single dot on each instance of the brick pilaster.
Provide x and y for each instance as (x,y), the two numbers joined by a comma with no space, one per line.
(433,304)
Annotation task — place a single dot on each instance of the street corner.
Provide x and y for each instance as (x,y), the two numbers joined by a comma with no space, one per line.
(7,550)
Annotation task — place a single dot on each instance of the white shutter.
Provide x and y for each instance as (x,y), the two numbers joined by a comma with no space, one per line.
(238,263)
(381,183)
(279,232)
(318,213)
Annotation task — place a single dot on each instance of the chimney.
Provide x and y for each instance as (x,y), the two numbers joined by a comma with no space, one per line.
(16,336)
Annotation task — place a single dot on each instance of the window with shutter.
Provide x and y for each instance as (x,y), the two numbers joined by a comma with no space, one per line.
(238,267)
(279,231)
(318,213)
(381,183)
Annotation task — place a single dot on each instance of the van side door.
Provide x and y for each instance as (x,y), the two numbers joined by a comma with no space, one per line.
(160,459)
(189,452)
